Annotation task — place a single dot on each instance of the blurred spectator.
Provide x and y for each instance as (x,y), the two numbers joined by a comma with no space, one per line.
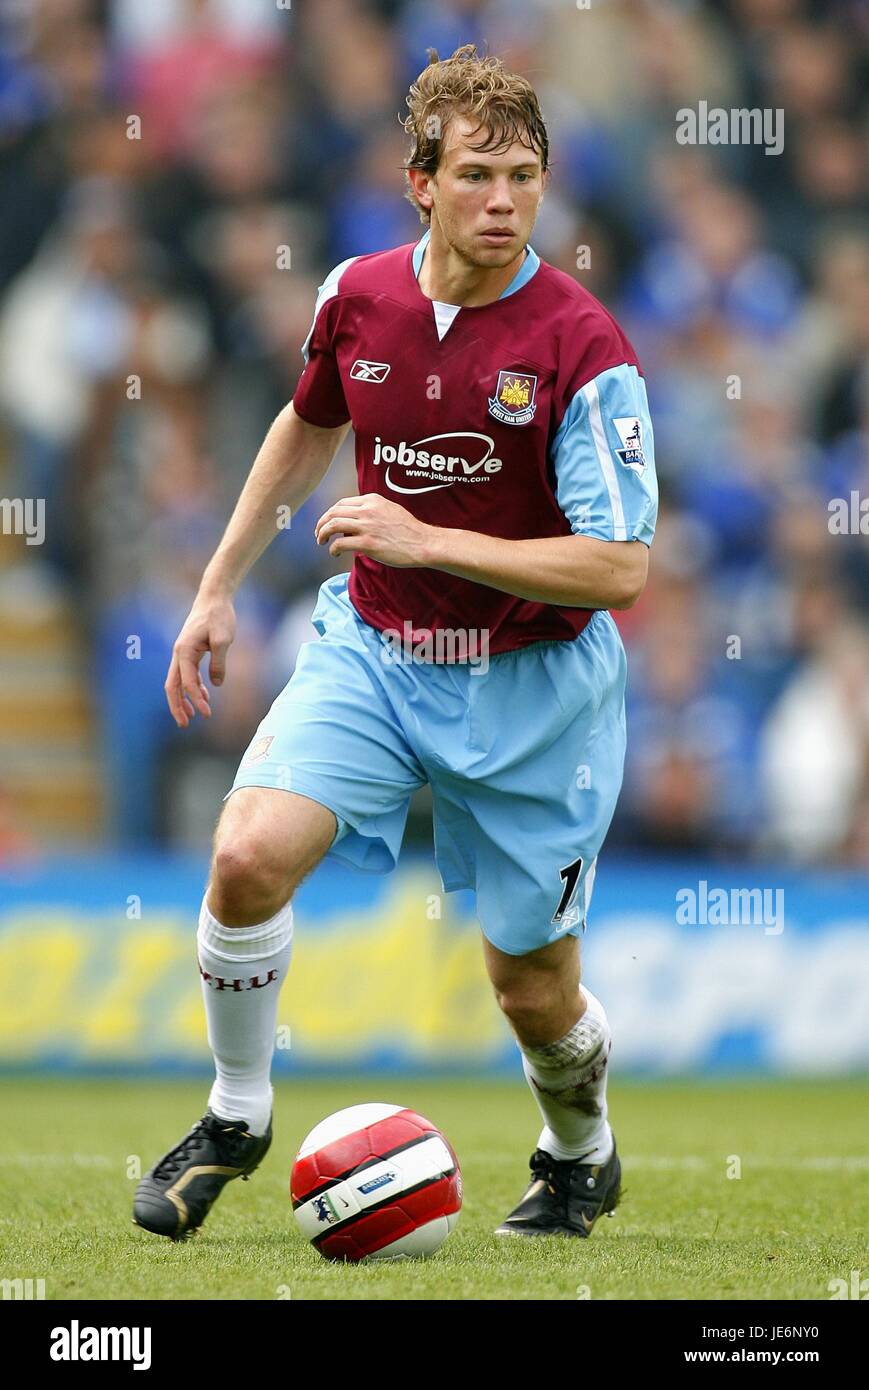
(815,746)
(690,779)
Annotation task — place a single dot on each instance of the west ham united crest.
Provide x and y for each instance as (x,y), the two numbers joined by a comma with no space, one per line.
(259,749)
(513,402)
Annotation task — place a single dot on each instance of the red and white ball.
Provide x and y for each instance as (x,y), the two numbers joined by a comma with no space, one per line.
(376,1182)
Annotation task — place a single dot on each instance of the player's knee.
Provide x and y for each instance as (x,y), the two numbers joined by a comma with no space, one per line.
(528,1004)
(247,880)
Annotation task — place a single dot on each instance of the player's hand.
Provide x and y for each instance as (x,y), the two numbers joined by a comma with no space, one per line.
(372,525)
(210,627)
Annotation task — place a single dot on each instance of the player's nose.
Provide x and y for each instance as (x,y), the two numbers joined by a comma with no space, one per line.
(501,196)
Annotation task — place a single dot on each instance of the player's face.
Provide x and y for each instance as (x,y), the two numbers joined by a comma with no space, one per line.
(486,203)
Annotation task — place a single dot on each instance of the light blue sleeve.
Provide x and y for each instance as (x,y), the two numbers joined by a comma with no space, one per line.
(604,459)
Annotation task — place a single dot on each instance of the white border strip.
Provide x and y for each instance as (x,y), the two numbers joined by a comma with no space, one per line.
(327,291)
(598,432)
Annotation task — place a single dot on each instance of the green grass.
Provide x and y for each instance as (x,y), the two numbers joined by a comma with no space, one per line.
(791,1223)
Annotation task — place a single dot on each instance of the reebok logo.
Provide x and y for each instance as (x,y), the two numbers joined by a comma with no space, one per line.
(369,371)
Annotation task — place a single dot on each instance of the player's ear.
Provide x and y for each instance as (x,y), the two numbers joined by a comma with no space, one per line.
(419,182)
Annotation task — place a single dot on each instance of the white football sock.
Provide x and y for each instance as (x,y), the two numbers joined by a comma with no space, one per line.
(568,1079)
(242,970)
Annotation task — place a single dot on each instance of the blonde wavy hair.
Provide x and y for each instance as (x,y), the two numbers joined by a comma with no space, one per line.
(504,104)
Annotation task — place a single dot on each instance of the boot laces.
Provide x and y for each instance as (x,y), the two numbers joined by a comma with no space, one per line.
(556,1175)
(208,1128)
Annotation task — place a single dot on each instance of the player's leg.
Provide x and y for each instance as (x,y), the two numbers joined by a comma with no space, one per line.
(564,1038)
(530,811)
(266,842)
(330,756)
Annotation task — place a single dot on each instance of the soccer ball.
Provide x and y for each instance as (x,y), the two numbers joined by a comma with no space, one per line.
(376,1182)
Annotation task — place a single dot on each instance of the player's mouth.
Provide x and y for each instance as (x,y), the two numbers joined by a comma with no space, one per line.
(498,236)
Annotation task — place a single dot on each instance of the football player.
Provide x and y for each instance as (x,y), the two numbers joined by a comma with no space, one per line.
(506,502)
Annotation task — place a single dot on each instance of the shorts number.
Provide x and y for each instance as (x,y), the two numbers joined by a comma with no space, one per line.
(567,907)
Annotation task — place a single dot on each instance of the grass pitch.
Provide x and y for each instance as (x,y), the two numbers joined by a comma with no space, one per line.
(793,1219)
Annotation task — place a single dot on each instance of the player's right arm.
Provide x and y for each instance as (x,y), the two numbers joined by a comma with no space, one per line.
(293,460)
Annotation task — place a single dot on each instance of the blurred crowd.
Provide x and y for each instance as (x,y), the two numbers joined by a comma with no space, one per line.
(176,178)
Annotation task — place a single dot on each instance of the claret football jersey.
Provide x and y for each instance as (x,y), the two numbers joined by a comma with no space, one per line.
(526,417)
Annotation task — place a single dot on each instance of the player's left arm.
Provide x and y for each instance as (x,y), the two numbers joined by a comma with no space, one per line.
(569,571)
(603,459)
(604,466)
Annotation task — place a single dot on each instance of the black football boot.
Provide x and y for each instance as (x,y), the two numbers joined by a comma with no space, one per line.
(565,1197)
(175,1197)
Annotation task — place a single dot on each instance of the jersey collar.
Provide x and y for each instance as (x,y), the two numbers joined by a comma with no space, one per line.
(528,267)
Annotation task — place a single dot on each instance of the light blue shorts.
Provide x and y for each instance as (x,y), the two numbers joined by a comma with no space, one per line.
(524,761)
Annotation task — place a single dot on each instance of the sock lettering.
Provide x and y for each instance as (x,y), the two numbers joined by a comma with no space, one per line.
(254,982)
